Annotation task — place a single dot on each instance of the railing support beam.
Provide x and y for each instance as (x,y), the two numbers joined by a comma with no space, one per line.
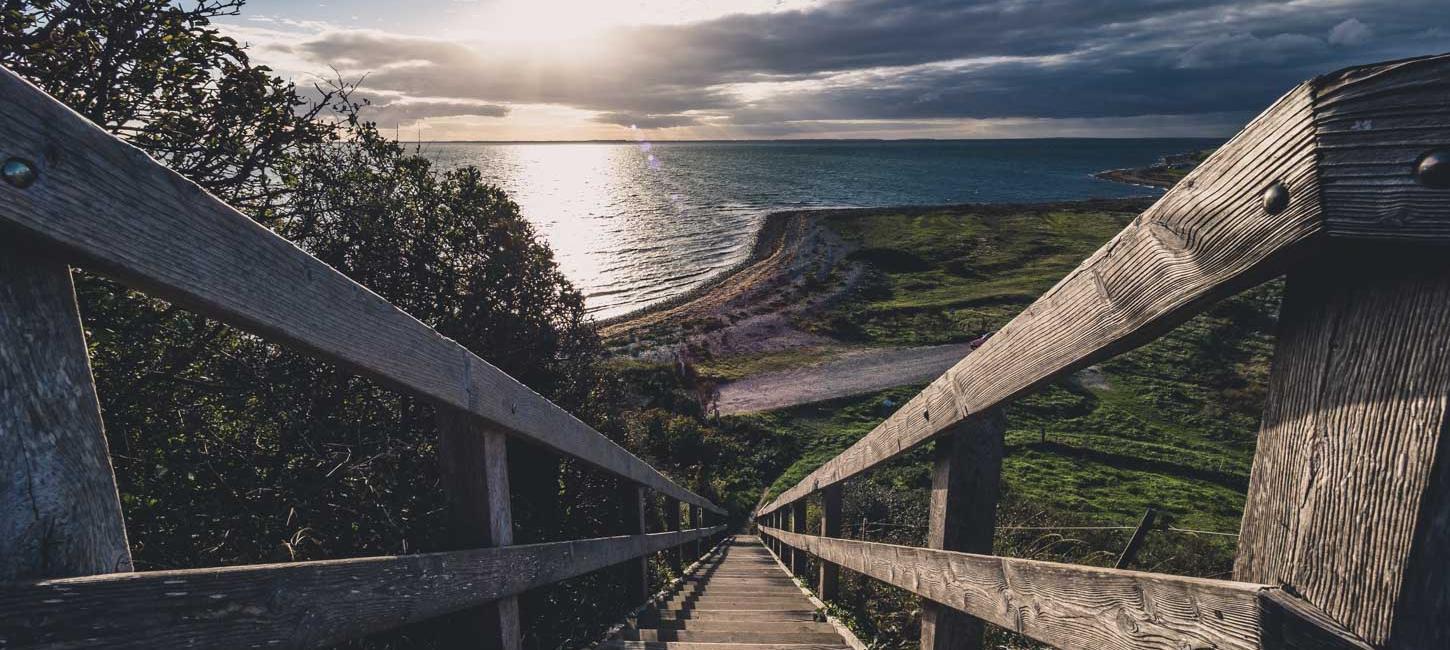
(636,571)
(1349,499)
(675,556)
(474,466)
(59,511)
(798,558)
(965,483)
(695,522)
(828,583)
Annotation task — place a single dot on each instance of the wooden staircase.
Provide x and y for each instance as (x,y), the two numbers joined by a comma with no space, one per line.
(739,599)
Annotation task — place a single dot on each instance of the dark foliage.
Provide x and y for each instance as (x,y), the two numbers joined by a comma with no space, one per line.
(231,450)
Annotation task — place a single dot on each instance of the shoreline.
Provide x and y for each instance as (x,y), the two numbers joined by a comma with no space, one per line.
(790,251)
(1140,177)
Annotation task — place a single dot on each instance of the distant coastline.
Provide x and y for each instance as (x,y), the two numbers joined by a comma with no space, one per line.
(789,246)
(781,234)
(1162,174)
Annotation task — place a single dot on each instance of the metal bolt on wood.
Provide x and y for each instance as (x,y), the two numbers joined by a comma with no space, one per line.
(20,173)
(1433,169)
(1276,198)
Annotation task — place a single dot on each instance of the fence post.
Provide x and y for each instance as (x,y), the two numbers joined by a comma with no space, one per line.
(1131,550)
(965,483)
(1349,499)
(676,555)
(60,514)
(473,459)
(697,522)
(829,581)
(798,557)
(636,510)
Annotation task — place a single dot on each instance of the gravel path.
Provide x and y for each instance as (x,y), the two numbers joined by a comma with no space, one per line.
(853,373)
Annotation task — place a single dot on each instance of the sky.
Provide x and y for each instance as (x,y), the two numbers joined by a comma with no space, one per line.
(758,69)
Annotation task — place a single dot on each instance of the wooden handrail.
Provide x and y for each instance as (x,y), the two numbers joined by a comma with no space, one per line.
(106,205)
(1355,421)
(1207,238)
(1072,606)
(298,604)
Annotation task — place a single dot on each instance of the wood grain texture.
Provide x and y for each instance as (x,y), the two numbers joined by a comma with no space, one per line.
(298,605)
(1207,238)
(828,583)
(111,208)
(1347,504)
(59,511)
(1062,605)
(965,485)
(1374,123)
(473,462)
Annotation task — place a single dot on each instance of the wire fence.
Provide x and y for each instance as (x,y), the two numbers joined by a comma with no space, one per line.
(878,525)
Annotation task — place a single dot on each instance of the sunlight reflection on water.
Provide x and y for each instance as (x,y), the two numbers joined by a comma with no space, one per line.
(633,223)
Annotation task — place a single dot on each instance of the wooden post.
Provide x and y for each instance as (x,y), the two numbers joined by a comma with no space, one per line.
(474,472)
(697,522)
(1349,499)
(1131,550)
(636,509)
(59,511)
(676,555)
(965,484)
(786,524)
(829,580)
(775,522)
(798,558)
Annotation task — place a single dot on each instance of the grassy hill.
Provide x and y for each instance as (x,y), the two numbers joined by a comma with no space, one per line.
(1170,426)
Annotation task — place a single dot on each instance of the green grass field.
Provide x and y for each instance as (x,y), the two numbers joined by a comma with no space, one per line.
(947,276)
(1171,425)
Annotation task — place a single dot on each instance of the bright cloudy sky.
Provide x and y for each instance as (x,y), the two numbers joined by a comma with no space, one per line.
(693,69)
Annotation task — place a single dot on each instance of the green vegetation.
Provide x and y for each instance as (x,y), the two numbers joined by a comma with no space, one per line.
(951,275)
(231,450)
(739,367)
(1170,426)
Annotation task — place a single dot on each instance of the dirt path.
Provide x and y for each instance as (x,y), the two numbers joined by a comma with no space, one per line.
(854,373)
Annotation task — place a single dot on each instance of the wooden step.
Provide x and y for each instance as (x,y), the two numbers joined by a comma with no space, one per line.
(729,615)
(752,604)
(732,599)
(756,626)
(753,590)
(731,636)
(620,644)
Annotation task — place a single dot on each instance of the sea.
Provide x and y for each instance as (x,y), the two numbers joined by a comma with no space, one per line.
(635,223)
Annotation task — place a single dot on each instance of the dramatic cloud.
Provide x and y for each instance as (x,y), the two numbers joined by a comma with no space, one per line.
(1350,33)
(845,62)
(409,111)
(1237,50)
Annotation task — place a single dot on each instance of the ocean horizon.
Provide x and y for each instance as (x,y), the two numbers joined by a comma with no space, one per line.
(634,223)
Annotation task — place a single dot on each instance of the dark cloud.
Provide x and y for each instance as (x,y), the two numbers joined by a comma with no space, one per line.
(398,112)
(932,59)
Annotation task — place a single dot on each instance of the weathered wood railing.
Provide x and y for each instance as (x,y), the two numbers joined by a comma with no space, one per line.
(74,194)
(1343,184)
